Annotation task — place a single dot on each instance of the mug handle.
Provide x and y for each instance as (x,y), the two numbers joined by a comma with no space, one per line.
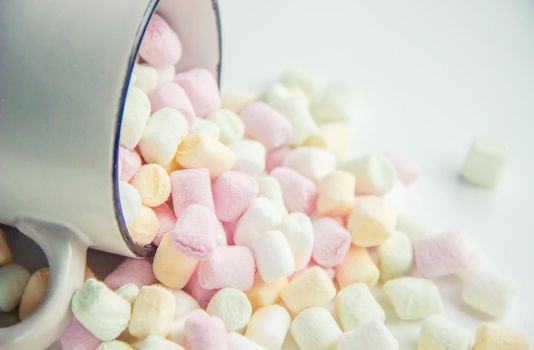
(66,254)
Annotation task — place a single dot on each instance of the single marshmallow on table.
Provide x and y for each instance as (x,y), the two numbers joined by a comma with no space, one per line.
(34,293)
(336,193)
(491,336)
(331,242)
(440,255)
(177,331)
(131,270)
(145,226)
(371,221)
(333,137)
(357,267)
(236,101)
(485,162)
(270,188)
(152,312)
(229,267)
(339,103)
(266,125)
(115,345)
(230,125)
(129,291)
(130,201)
(298,231)
(373,335)
(170,266)
(205,333)
(171,95)
(268,326)
(250,156)
(275,157)
(355,305)
(103,312)
(5,252)
(233,192)
(13,280)
(191,186)
(295,109)
(77,337)
(312,85)
(311,162)
(476,287)
(395,256)
(202,90)
(232,307)
(134,118)
(153,342)
(260,216)
(166,74)
(264,294)
(200,294)
(273,256)
(146,77)
(237,341)
(161,46)
(166,219)
(407,171)
(438,333)
(163,133)
(374,173)
(311,288)
(201,151)
(315,329)
(300,194)
(413,298)
(206,127)
(129,163)
(413,227)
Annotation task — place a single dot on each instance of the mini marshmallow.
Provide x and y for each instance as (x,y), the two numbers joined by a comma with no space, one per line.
(268,326)
(270,189)
(395,256)
(233,192)
(264,294)
(34,293)
(177,332)
(355,305)
(266,125)
(315,329)
(311,162)
(299,192)
(339,103)
(475,292)
(438,333)
(229,267)
(194,234)
(205,333)
(374,173)
(201,295)
(131,270)
(129,163)
(130,201)
(115,345)
(160,46)
(336,193)
(145,226)
(259,217)
(166,74)
(163,133)
(129,292)
(273,256)
(236,101)
(413,227)
(5,252)
(192,186)
(146,77)
(153,342)
(413,298)
(295,108)
(372,221)
(440,255)
(201,151)
(202,90)
(237,341)
(276,92)
(312,85)
(407,171)
(153,184)
(206,127)
(134,117)
(232,307)
(184,303)
(485,162)
(77,337)
(230,125)
(103,312)
(491,336)
(275,157)
(152,312)
(250,156)
(333,137)
(173,96)
(331,242)
(373,335)
(13,280)
(170,266)
(166,219)
(311,288)
(298,231)
(357,267)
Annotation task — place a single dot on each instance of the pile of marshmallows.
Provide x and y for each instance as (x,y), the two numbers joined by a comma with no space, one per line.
(268,235)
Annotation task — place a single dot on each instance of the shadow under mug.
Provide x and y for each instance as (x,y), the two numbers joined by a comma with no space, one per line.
(65,68)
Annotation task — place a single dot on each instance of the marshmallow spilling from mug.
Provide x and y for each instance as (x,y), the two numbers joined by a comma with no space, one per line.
(269,235)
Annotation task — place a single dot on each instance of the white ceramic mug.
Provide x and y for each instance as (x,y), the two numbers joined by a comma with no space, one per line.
(65,68)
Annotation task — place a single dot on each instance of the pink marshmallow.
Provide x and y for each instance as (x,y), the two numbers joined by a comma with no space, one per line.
(300,194)
(129,163)
(233,192)
(331,242)
(440,255)
(229,229)
(191,186)
(199,293)
(131,270)
(195,232)
(77,337)
(161,46)
(166,219)
(265,124)
(173,96)
(202,90)
(275,157)
(205,333)
(407,171)
(229,267)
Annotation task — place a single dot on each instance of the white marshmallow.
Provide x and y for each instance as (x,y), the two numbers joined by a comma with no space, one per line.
(438,333)
(485,161)
(414,227)
(115,345)
(270,188)
(146,78)
(355,305)
(398,196)
(130,202)
(153,342)
(311,162)
(296,110)
(185,304)
(262,215)
(374,174)
(166,74)
(315,329)
(275,92)
(373,335)
(129,292)
(413,298)
(268,326)
(250,156)
(232,307)
(205,127)
(312,85)
(339,103)
(134,118)
(230,125)
(177,331)
(395,256)
(163,133)
(13,280)
(237,341)
(488,292)
(298,231)
(273,256)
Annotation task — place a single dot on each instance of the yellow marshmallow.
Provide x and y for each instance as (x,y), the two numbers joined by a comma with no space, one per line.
(265,294)
(357,267)
(237,100)
(145,226)
(372,221)
(171,267)
(5,253)
(34,293)
(153,184)
(336,193)
(312,288)
(315,329)
(152,312)
(491,336)
(333,137)
(172,166)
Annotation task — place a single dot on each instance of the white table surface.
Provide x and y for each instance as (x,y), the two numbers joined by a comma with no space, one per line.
(434,74)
